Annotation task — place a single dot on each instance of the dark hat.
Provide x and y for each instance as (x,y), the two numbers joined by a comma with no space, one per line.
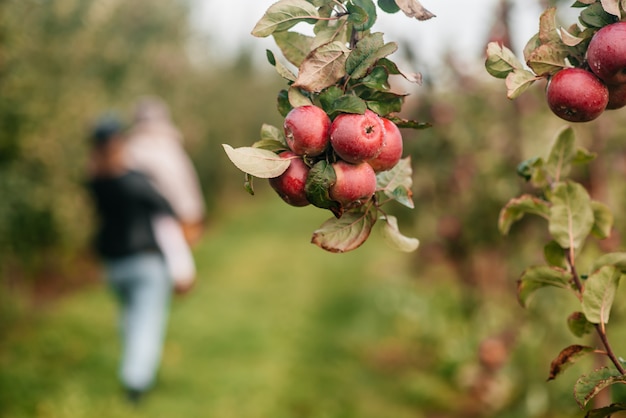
(106,127)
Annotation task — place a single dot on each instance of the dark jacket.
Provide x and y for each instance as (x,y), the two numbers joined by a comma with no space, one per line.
(126,205)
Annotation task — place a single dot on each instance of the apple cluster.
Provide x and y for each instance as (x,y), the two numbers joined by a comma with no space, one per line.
(583,94)
(355,146)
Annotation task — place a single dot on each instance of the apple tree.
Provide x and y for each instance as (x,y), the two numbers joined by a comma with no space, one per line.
(340,147)
(584,66)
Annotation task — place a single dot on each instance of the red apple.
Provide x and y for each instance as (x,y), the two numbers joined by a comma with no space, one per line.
(617,96)
(356,138)
(391,151)
(306,130)
(290,184)
(576,95)
(355,184)
(606,53)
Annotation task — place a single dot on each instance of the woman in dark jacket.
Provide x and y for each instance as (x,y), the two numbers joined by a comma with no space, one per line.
(126,203)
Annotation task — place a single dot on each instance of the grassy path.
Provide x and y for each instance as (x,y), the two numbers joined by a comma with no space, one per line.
(275,328)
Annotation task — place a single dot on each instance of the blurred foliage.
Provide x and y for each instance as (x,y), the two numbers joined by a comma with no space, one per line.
(79,58)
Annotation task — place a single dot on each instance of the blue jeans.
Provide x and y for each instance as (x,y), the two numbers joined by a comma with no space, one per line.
(143,287)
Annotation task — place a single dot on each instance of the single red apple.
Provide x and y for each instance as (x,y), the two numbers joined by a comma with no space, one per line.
(290,184)
(306,130)
(576,95)
(355,184)
(617,96)
(606,53)
(356,138)
(391,151)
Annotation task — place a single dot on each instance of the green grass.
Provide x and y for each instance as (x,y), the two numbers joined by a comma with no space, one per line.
(276,328)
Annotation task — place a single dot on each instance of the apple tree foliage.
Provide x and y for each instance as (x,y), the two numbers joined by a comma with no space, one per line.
(572,217)
(343,67)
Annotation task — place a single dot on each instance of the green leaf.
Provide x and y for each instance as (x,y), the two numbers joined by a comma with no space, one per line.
(588,386)
(413,8)
(256,161)
(384,103)
(283,15)
(294,46)
(270,57)
(366,53)
(369,8)
(583,157)
(567,357)
(500,60)
(377,79)
(397,182)
(348,103)
(578,324)
(607,411)
(270,132)
(297,98)
(282,103)
(388,6)
(323,67)
(248,184)
(339,235)
(535,278)
(319,180)
(526,168)
(555,255)
(516,208)
(518,81)
(571,215)
(611,259)
(392,68)
(392,235)
(603,220)
(595,16)
(600,289)
(328,96)
(405,123)
(561,155)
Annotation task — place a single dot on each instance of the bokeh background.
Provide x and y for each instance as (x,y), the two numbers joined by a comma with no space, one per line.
(275,326)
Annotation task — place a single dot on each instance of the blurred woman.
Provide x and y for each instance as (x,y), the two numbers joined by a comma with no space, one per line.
(126,203)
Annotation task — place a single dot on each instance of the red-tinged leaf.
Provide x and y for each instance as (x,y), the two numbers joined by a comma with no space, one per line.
(257,161)
(535,278)
(516,208)
(413,8)
(323,67)
(548,59)
(394,237)
(611,7)
(547,26)
(607,411)
(600,289)
(339,235)
(282,15)
(566,358)
(397,182)
(518,81)
(588,386)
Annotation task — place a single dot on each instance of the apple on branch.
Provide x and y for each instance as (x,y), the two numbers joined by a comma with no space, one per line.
(307,130)
(355,184)
(576,95)
(391,151)
(290,184)
(606,53)
(357,138)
